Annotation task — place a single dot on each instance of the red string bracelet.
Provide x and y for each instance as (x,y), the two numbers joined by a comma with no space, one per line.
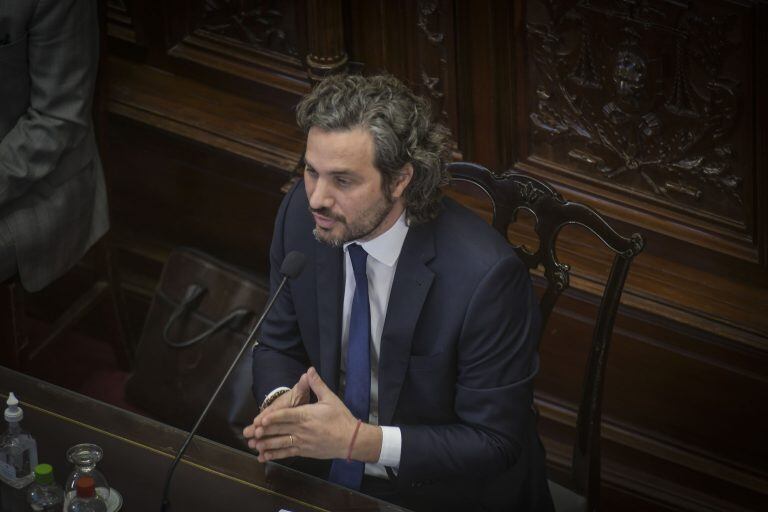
(352,442)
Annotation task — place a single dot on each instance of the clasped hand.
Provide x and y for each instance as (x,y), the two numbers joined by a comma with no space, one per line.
(291,426)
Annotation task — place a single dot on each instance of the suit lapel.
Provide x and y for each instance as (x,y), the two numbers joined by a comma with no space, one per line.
(410,287)
(329,298)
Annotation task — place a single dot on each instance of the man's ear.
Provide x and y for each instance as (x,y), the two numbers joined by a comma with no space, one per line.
(402,180)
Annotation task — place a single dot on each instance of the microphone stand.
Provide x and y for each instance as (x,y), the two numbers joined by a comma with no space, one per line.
(166,502)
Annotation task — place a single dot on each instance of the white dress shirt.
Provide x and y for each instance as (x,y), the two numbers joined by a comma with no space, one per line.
(383,254)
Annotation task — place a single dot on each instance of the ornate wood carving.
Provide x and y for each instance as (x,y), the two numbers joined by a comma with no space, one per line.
(609,100)
(430,78)
(265,24)
(435,76)
(250,46)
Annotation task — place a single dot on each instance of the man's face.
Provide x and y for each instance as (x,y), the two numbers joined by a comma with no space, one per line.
(344,189)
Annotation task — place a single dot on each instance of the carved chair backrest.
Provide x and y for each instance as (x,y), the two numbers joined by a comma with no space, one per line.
(511,192)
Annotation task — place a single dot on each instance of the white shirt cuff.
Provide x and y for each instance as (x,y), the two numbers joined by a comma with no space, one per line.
(391,444)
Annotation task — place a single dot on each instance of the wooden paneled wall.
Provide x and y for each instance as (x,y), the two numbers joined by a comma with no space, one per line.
(650,111)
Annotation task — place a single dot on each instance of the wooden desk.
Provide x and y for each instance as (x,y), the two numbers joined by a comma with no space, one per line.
(138,452)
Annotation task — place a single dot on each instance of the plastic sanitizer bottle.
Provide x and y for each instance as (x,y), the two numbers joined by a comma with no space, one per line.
(18,458)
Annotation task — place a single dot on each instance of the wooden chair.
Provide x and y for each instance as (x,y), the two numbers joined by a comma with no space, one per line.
(510,193)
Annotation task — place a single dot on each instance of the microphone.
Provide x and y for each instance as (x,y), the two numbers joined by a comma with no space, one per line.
(291,267)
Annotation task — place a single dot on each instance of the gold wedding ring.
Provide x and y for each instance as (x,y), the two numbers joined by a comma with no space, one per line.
(291,437)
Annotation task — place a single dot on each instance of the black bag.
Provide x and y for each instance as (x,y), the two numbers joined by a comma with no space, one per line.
(201,314)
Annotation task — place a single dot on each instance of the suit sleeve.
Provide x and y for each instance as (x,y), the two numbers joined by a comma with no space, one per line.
(496,362)
(63,58)
(279,359)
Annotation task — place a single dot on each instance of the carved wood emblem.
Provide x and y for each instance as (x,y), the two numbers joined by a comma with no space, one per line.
(434,58)
(264,24)
(642,93)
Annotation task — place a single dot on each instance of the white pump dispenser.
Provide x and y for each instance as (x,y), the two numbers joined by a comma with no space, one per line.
(13,412)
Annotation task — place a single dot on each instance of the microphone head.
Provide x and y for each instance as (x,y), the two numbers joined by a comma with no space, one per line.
(293,264)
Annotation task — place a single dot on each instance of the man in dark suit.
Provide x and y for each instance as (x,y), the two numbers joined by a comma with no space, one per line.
(53,203)
(414,324)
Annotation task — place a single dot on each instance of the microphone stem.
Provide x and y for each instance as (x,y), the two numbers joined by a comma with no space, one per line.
(166,502)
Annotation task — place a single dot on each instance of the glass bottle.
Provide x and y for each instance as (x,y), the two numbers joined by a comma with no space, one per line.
(44,495)
(85,456)
(86,499)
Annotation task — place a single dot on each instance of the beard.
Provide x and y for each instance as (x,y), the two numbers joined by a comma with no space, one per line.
(357,229)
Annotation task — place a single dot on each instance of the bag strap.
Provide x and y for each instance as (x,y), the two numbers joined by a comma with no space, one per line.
(194,291)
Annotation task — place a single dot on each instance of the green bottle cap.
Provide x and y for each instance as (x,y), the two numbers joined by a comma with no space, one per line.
(44,474)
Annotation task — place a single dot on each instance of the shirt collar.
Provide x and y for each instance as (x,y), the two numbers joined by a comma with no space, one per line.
(386,247)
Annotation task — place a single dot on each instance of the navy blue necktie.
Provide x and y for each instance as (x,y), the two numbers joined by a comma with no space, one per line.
(357,392)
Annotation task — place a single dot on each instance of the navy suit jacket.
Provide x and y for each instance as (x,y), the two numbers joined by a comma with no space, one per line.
(458,352)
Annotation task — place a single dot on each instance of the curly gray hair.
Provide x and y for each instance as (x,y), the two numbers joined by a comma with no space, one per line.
(402,128)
